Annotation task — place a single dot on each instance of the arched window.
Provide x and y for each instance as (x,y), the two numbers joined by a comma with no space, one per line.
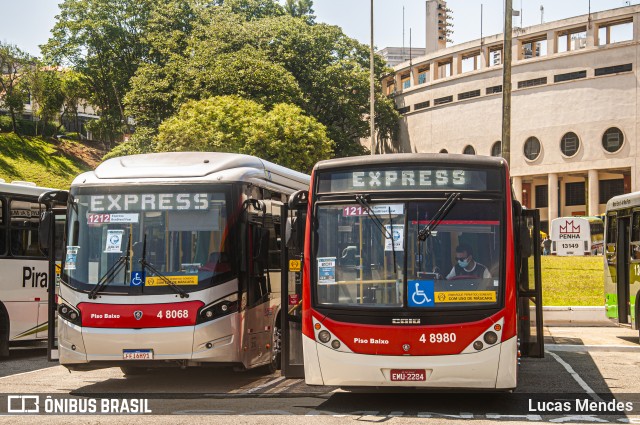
(532,148)
(612,139)
(469,150)
(444,151)
(496,149)
(569,144)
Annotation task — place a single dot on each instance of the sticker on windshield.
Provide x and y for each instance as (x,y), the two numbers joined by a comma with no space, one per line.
(70,259)
(420,293)
(137,278)
(176,280)
(114,241)
(382,210)
(326,270)
(398,237)
(112,218)
(466,297)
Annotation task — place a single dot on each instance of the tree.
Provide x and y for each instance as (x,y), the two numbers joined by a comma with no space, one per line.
(47,97)
(300,9)
(102,39)
(284,135)
(13,91)
(74,90)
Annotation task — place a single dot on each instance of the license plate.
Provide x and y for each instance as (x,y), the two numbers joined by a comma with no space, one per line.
(137,354)
(408,375)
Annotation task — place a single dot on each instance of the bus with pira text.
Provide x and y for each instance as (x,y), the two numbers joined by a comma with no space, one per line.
(173,259)
(419,270)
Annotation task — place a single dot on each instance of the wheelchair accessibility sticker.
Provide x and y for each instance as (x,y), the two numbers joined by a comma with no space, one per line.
(137,278)
(421,293)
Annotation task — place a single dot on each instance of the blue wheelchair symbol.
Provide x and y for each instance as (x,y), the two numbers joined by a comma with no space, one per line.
(137,278)
(420,293)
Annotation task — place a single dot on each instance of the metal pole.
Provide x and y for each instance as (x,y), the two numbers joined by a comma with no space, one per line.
(506,82)
(372,94)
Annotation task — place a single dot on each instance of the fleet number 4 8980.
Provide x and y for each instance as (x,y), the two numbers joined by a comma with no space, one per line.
(439,338)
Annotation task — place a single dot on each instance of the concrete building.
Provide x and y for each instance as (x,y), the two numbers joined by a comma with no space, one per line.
(396,55)
(574,111)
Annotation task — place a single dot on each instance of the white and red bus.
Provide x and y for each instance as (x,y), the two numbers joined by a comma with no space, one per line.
(414,268)
(24,273)
(172,259)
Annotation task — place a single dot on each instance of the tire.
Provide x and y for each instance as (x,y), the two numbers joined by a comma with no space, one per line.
(133,370)
(276,349)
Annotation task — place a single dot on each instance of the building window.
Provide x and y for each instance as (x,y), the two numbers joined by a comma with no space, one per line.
(404,110)
(542,196)
(534,48)
(496,149)
(610,188)
(469,150)
(494,89)
(468,94)
(569,144)
(615,33)
(444,151)
(470,62)
(532,148)
(405,81)
(574,39)
(608,70)
(495,56)
(612,139)
(569,76)
(391,88)
(443,100)
(574,194)
(532,83)
(423,75)
(421,105)
(445,69)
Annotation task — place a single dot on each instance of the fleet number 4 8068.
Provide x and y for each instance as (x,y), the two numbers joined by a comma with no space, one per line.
(173,314)
(438,338)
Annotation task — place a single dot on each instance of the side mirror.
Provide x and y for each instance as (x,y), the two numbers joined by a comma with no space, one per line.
(256,204)
(44,231)
(298,199)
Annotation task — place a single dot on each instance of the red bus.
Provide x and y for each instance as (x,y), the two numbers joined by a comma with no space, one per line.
(418,270)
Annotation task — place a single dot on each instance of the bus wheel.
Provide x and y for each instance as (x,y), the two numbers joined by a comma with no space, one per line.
(133,370)
(276,349)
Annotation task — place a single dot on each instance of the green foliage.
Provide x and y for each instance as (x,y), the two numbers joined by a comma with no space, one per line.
(102,39)
(142,141)
(284,135)
(13,91)
(47,97)
(261,51)
(34,159)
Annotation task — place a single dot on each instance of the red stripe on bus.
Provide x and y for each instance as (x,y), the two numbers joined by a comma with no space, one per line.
(138,316)
(487,222)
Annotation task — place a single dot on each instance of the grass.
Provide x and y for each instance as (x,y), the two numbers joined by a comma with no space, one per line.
(572,280)
(37,160)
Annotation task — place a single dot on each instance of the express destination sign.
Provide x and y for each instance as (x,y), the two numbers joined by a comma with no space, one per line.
(409,178)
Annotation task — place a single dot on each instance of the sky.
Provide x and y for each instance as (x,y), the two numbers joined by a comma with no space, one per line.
(27,23)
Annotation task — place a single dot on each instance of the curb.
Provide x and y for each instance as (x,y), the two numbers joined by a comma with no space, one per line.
(592,348)
(575,315)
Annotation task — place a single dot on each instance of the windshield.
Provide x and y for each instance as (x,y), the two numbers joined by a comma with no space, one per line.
(457,265)
(182,235)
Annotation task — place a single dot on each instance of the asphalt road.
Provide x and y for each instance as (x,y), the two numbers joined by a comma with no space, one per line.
(194,396)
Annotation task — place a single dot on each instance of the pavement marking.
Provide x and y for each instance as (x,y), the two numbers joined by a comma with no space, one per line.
(575,376)
(587,348)
(265,385)
(26,373)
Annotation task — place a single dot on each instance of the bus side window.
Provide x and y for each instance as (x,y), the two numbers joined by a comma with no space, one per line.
(3,229)
(612,235)
(635,236)
(259,277)
(25,217)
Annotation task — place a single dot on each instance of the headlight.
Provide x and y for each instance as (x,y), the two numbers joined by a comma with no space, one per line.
(219,308)
(490,337)
(324,336)
(69,314)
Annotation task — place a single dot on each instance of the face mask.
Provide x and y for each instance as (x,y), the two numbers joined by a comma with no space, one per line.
(463,263)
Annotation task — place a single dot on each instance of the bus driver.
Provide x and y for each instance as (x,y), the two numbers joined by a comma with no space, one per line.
(466,266)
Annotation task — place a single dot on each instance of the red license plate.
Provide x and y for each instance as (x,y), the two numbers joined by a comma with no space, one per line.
(408,375)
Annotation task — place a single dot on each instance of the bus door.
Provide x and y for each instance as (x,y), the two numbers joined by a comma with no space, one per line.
(529,284)
(294,216)
(622,269)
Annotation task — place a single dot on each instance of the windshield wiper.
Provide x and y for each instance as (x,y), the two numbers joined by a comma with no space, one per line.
(425,232)
(364,203)
(112,272)
(146,265)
